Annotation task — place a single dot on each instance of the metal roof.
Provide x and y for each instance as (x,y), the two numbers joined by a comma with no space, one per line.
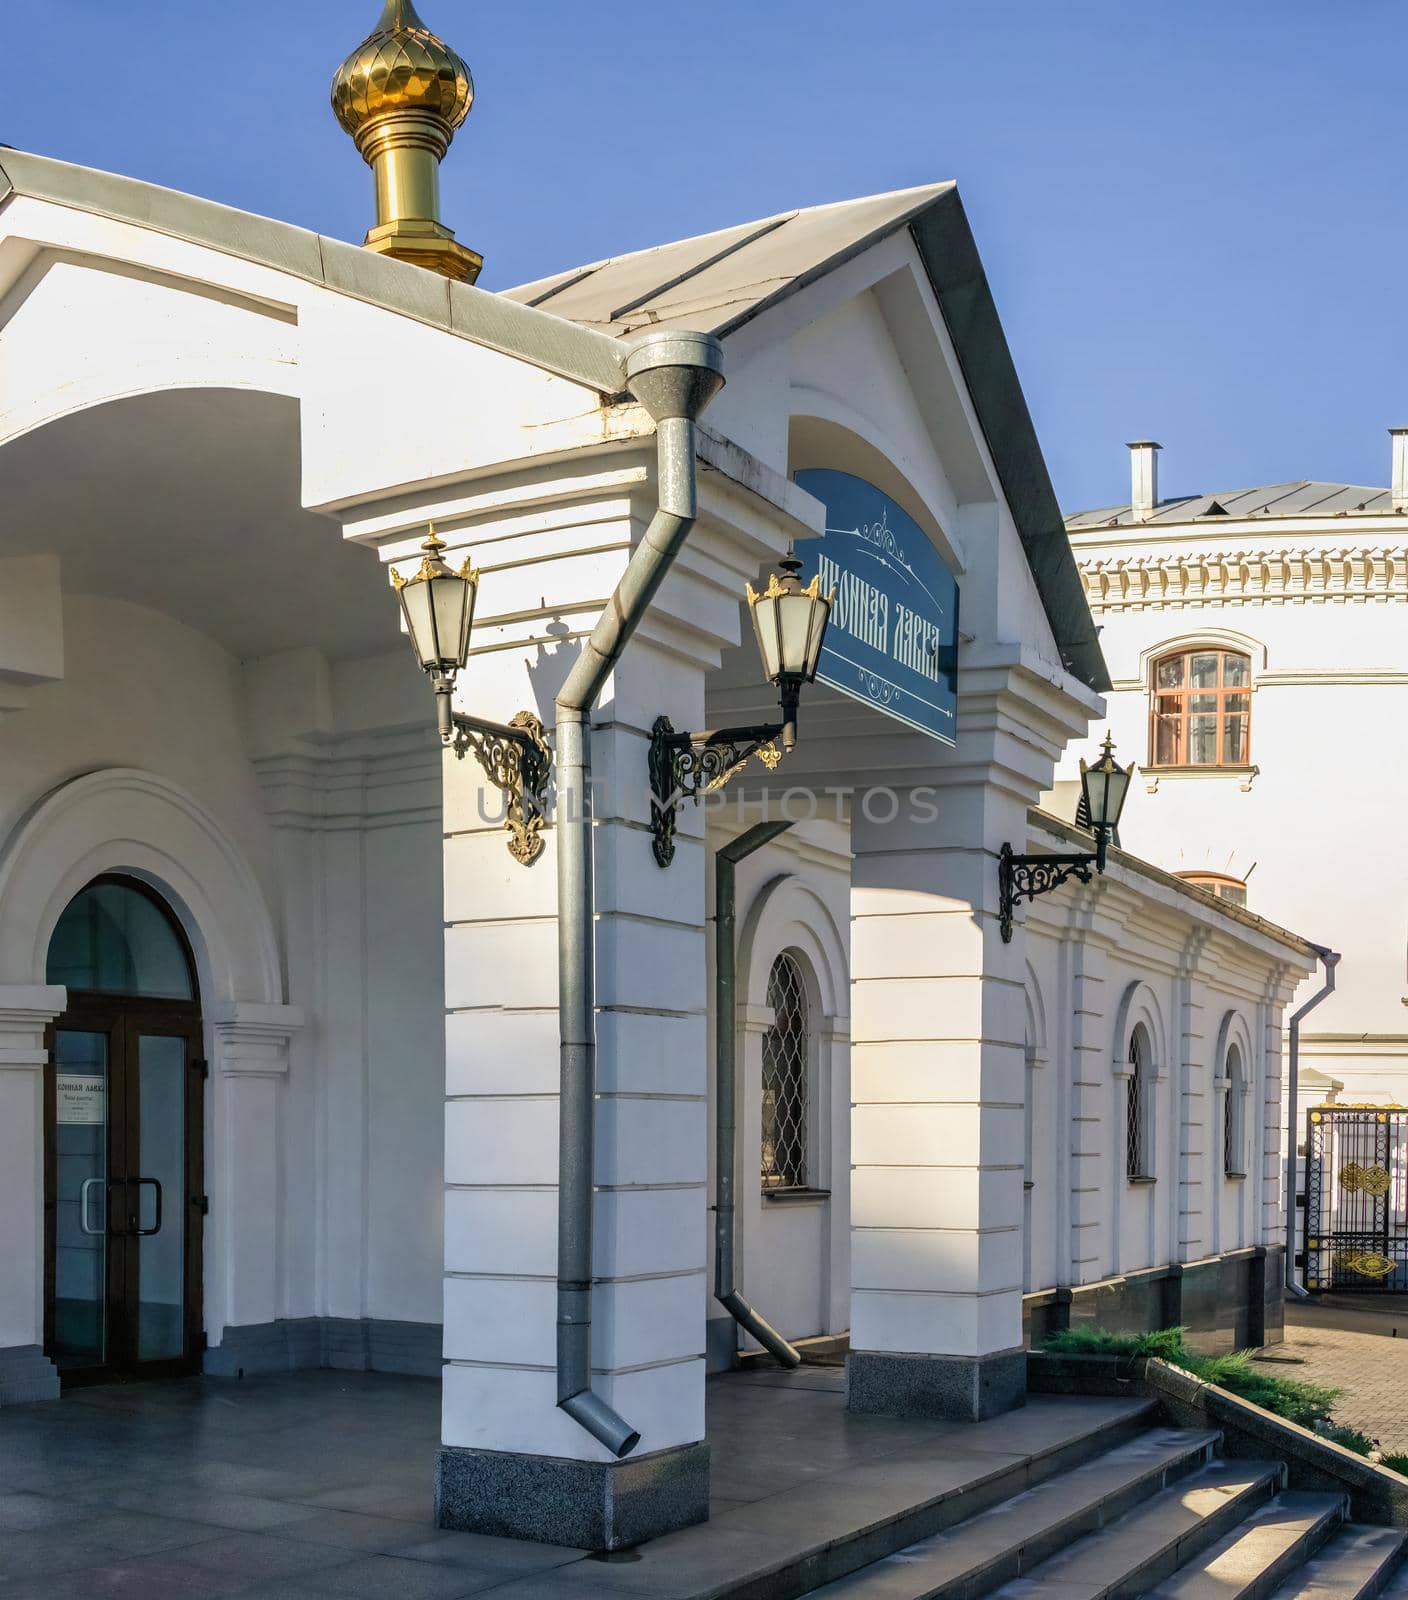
(717,282)
(1302,499)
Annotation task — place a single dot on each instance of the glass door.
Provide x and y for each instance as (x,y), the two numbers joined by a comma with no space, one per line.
(79,1259)
(163,1188)
(126,1207)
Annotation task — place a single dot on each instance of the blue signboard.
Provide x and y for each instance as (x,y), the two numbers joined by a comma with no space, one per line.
(893,637)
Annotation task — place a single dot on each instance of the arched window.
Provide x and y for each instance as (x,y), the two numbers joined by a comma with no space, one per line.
(1138,1154)
(116,937)
(1233,890)
(786,1052)
(1200,709)
(1233,1135)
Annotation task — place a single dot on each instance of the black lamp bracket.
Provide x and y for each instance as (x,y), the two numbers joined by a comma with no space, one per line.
(686,765)
(517,761)
(1025,877)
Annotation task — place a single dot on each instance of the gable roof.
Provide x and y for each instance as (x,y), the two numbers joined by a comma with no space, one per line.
(719,281)
(1300,499)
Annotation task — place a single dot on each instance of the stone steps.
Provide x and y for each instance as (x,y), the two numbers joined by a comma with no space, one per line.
(1251,1562)
(982,1552)
(1356,1564)
(1158,1516)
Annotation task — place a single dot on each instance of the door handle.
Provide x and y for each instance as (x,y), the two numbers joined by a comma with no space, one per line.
(146,1233)
(85,1189)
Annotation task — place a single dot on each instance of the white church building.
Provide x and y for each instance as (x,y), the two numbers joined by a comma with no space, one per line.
(328,1041)
(1257,640)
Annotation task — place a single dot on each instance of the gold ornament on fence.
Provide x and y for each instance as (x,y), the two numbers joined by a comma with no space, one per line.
(1364,1263)
(1373,1181)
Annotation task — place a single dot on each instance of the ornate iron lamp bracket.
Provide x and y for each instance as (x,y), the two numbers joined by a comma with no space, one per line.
(686,765)
(1025,877)
(517,761)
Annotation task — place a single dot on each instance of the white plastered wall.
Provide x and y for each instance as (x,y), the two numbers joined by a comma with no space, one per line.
(1104,960)
(1329,676)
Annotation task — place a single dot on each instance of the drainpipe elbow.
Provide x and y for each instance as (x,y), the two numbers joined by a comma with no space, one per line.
(591,1412)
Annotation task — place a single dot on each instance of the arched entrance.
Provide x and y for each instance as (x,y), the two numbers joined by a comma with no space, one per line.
(123,1122)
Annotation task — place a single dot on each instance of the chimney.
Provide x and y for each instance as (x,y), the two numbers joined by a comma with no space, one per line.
(1399,481)
(1143,478)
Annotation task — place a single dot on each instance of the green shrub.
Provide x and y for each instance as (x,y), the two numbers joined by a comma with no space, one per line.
(1304,1403)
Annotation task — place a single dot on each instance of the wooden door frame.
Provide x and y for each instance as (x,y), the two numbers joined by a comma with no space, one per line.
(122,1018)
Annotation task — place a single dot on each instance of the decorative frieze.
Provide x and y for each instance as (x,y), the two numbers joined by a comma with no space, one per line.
(1178,579)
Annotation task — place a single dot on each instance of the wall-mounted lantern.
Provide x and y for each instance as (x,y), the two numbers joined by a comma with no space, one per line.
(438,605)
(1103,788)
(789,619)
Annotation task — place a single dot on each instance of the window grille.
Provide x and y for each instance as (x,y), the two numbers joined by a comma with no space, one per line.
(1134,1147)
(784,1152)
(1231,1116)
(1200,710)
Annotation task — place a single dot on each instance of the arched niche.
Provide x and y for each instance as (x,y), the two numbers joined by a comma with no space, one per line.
(123,820)
(1139,1006)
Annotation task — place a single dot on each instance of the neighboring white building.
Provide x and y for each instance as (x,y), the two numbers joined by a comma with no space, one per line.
(300,1065)
(1258,644)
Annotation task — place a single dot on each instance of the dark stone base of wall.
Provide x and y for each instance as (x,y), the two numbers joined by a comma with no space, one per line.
(592,1505)
(349,1344)
(26,1374)
(1226,1302)
(956,1388)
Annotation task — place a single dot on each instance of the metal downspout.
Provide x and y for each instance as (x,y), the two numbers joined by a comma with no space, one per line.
(1330,960)
(726,1090)
(674,375)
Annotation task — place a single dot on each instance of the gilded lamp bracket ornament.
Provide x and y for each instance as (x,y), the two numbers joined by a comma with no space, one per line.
(437,603)
(517,761)
(685,765)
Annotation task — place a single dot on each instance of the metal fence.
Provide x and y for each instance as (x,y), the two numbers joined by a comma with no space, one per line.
(1356,1199)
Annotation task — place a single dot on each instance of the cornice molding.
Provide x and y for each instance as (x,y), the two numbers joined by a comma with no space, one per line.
(1359,575)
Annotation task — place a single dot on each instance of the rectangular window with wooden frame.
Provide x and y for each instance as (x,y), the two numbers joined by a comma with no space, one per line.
(1200,710)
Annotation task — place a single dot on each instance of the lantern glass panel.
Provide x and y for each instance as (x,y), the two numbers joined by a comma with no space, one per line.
(766,625)
(420,623)
(453,602)
(796,619)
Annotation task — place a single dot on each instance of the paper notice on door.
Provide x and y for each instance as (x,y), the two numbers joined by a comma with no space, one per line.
(80,1098)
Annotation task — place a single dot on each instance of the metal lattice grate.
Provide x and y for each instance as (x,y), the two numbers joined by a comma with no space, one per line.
(1134,1112)
(1356,1198)
(1229,1130)
(784,1152)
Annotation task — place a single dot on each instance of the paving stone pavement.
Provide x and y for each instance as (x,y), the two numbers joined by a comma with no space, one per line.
(1370,1369)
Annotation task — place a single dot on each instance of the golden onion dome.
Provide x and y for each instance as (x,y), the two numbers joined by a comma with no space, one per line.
(401,66)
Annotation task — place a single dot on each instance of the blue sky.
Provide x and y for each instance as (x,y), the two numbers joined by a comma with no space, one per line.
(1188,212)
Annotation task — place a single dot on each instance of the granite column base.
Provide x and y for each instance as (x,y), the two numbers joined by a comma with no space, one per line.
(592,1505)
(954,1388)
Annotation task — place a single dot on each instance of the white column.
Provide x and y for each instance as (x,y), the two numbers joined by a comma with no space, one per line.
(249,1069)
(26,1010)
(938,1023)
(1095,1189)
(512,1462)
(1197,1149)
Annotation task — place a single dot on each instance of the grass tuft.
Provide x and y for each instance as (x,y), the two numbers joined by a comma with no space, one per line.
(1307,1404)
